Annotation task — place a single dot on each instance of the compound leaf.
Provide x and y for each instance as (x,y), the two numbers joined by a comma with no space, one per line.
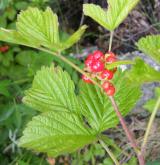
(56,133)
(36,28)
(143,73)
(97,107)
(117,11)
(52,89)
(150,45)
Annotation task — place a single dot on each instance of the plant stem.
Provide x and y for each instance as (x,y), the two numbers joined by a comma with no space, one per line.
(122,121)
(127,132)
(111,40)
(71,64)
(109,152)
(149,127)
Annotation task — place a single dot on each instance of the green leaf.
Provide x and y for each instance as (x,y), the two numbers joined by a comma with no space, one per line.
(56,133)
(153,162)
(97,108)
(42,27)
(118,63)
(3,22)
(4,87)
(150,45)
(33,61)
(149,105)
(52,89)
(36,28)
(13,36)
(117,11)
(21,5)
(74,37)
(96,13)
(143,73)
(5,112)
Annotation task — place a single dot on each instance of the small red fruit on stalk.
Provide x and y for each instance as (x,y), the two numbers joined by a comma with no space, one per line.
(108,88)
(111,59)
(97,66)
(106,85)
(89,60)
(4,49)
(110,91)
(110,54)
(107,74)
(98,55)
(86,79)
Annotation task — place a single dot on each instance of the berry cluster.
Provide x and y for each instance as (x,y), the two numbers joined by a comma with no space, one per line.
(96,68)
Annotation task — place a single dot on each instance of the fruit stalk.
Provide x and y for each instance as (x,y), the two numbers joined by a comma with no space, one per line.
(111,39)
(109,152)
(127,132)
(149,127)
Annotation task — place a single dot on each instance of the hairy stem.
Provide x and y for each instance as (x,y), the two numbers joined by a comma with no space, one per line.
(127,132)
(149,127)
(122,121)
(109,152)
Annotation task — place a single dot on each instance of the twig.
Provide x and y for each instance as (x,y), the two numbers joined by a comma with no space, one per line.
(127,132)
(109,152)
(111,39)
(149,127)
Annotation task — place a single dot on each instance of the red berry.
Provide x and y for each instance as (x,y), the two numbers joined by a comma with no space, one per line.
(111,59)
(110,91)
(98,55)
(97,66)
(108,88)
(106,85)
(107,74)
(89,60)
(86,79)
(3,49)
(111,54)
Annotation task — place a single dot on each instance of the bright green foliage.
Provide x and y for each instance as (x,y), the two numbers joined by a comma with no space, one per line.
(40,27)
(150,45)
(61,128)
(36,28)
(143,73)
(4,87)
(52,89)
(132,161)
(97,107)
(117,11)
(74,37)
(55,133)
(149,106)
